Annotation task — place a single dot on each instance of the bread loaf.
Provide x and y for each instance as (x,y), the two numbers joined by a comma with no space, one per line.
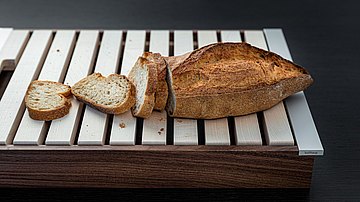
(230,79)
(114,94)
(47,100)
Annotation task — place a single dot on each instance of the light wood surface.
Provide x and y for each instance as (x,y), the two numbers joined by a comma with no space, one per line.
(4,35)
(154,128)
(206,37)
(230,36)
(160,42)
(32,131)
(62,131)
(11,105)
(94,123)
(185,130)
(13,48)
(124,125)
(304,129)
(276,125)
(217,130)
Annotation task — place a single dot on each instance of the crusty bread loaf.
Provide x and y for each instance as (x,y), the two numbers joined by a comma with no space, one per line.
(161,92)
(230,79)
(144,76)
(47,100)
(114,94)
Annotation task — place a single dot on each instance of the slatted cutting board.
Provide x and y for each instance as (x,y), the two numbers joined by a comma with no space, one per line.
(69,55)
(86,148)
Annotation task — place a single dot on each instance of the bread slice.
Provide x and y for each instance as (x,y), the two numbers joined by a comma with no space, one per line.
(47,100)
(144,77)
(114,94)
(230,79)
(161,92)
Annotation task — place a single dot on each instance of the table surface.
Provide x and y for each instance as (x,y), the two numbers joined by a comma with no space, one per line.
(322,36)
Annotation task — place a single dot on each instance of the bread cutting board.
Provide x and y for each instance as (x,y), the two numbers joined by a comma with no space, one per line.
(69,55)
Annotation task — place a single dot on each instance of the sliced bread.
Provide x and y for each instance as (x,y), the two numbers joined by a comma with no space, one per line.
(114,94)
(47,100)
(144,76)
(230,79)
(161,92)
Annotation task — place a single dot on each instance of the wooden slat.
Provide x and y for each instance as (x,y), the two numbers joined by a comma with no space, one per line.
(206,37)
(94,123)
(13,48)
(12,105)
(276,125)
(4,35)
(230,36)
(62,131)
(124,125)
(217,130)
(303,125)
(159,42)
(31,131)
(185,130)
(154,129)
(247,131)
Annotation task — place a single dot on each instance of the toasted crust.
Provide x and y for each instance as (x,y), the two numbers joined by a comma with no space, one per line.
(230,79)
(161,93)
(122,107)
(52,113)
(146,107)
(237,103)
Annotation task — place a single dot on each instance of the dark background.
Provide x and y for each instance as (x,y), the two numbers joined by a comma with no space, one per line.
(323,36)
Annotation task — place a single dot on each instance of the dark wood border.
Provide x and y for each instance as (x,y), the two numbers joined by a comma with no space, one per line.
(154,166)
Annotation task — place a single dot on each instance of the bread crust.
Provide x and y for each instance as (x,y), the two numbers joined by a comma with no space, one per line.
(237,103)
(161,93)
(151,83)
(205,88)
(50,114)
(121,108)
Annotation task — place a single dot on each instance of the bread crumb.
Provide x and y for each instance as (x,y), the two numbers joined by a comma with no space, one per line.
(122,125)
(161,119)
(159,133)
(179,121)
(161,129)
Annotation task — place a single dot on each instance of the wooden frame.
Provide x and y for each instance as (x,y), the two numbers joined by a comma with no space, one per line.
(155,166)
